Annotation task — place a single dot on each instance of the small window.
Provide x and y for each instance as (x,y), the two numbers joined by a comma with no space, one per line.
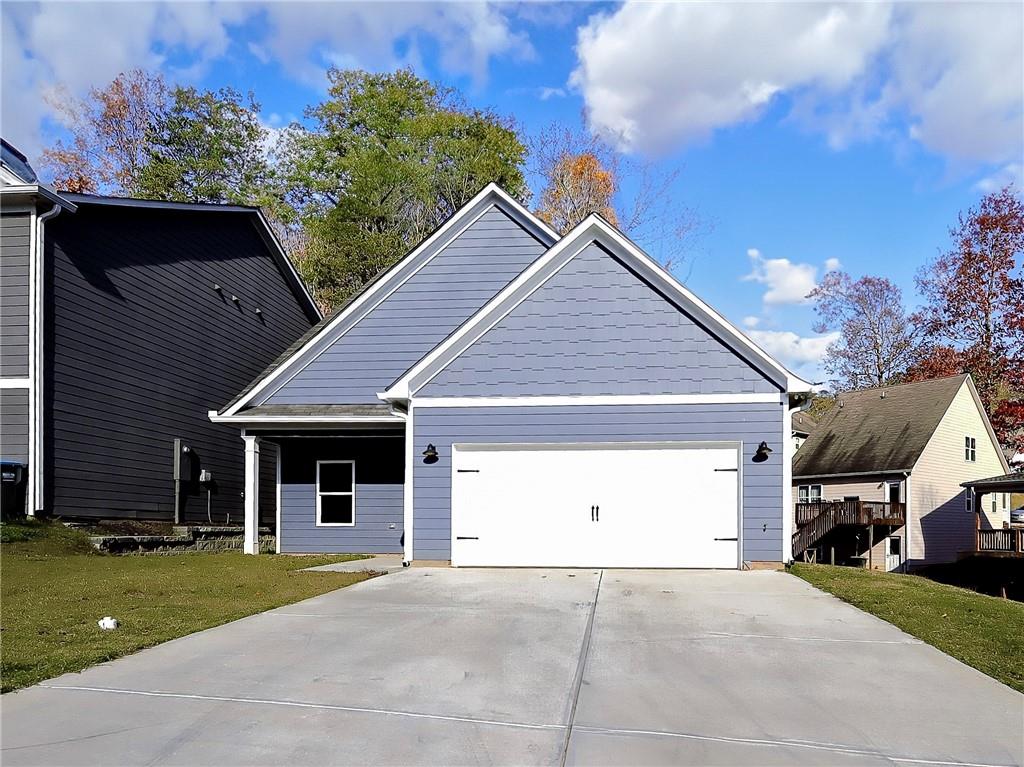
(335,493)
(970,449)
(895,546)
(969,500)
(809,493)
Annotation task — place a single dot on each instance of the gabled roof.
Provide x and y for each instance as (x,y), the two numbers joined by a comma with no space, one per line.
(803,422)
(1004,483)
(263,228)
(365,300)
(877,431)
(16,164)
(593,229)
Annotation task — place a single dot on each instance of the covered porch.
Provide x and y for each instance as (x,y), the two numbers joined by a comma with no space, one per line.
(339,479)
(1007,541)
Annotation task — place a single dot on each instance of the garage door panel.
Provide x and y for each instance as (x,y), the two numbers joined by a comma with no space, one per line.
(595,506)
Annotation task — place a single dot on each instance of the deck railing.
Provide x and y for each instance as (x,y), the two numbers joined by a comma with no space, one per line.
(815,519)
(1009,540)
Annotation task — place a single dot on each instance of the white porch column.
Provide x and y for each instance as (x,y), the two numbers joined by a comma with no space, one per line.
(251,543)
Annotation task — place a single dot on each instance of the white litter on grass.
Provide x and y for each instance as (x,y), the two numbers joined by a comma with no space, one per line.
(108,623)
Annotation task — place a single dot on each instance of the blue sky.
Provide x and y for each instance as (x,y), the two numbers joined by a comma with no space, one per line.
(807,135)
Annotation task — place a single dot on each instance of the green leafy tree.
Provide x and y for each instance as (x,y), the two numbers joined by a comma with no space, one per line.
(207,147)
(387,159)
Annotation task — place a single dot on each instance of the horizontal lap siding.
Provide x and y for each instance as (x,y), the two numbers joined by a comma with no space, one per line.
(749,423)
(451,287)
(141,347)
(14,424)
(379,492)
(595,328)
(15,250)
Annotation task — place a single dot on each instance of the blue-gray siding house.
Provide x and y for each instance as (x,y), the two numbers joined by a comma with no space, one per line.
(504,396)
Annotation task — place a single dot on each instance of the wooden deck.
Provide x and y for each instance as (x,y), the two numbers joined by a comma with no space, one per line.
(818,518)
(1006,542)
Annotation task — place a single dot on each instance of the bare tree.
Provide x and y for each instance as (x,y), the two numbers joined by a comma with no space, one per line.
(877,340)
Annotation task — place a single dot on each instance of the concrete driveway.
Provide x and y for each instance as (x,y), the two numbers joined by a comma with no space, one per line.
(437,666)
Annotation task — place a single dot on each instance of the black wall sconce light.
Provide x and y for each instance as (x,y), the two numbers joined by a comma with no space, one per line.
(430,454)
(762,453)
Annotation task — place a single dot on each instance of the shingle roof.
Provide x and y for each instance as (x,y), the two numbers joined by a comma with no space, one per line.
(1002,483)
(876,430)
(803,423)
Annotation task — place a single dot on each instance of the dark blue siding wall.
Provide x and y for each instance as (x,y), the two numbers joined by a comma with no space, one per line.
(749,423)
(140,347)
(14,298)
(379,468)
(460,279)
(596,328)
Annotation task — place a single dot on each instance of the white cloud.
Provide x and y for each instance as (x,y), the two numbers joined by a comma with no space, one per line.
(657,74)
(947,76)
(304,37)
(1012,173)
(787,283)
(549,93)
(792,349)
(751,322)
(832,264)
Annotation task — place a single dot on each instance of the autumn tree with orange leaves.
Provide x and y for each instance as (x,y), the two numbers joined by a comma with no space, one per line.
(581,174)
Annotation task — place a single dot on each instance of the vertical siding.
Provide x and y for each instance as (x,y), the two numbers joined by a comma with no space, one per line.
(749,423)
(379,469)
(596,328)
(438,298)
(941,527)
(140,347)
(15,251)
(14,424)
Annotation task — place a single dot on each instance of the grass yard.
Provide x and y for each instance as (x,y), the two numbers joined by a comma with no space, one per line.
(54,588)
(983,632)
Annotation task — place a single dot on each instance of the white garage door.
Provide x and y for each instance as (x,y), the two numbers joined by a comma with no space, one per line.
(597,505)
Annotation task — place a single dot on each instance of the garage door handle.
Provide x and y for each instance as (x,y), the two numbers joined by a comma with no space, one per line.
(726,539)
(592,518)
(597,513)
(466,538)
(726,469)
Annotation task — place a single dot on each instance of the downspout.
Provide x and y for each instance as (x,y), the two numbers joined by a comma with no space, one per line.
(906,522)
(38,361)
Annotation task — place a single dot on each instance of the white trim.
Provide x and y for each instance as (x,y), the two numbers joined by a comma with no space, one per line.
(385,285)
(907,524)
(277,500)
(408,507)
(17,383)
(788,508)
(251,489)
(591,229)
(607,399)
(33,492)
(349,493)
(301,419)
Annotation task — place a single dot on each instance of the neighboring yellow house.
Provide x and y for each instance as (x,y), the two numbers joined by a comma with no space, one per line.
(892,454)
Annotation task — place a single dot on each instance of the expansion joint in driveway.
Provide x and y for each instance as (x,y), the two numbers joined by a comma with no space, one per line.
(581,665)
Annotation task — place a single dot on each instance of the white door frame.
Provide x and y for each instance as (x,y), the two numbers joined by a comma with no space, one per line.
(467,447)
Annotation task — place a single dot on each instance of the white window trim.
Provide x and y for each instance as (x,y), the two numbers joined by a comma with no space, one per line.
(351,493)
(970,449)
(821,493)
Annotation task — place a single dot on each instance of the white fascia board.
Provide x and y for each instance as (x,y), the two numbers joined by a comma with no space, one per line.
(366,302)
(599,400)
(255,420)
(591,229)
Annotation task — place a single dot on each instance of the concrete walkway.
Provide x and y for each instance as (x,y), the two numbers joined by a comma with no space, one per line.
(381,563)
(547,667)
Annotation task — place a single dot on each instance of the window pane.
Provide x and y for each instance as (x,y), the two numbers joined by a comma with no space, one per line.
(336,509)
(336,477)
(815,492)
(803,493)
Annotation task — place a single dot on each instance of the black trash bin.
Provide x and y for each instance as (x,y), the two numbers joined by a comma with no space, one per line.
(13,476)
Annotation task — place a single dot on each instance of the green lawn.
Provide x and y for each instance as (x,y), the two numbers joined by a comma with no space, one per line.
(982,631)
(54,589)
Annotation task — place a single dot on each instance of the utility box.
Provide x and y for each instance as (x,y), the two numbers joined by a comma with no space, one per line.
(13,482)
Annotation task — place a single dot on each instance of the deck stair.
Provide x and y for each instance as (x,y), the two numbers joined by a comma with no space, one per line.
(817,519)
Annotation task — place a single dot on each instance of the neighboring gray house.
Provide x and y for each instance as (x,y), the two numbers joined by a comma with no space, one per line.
(123,322)
(879,479)
(503,396)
